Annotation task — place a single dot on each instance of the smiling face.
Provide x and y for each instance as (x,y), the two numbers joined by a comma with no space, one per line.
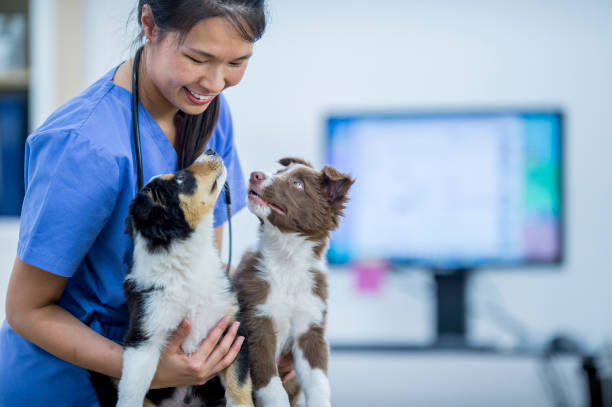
(171,206)
(300,199)
(188,74)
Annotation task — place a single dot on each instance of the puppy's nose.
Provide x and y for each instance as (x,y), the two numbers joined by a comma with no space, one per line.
(210,152)
(257,177)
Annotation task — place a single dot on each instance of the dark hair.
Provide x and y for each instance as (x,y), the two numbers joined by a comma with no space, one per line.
(180,16)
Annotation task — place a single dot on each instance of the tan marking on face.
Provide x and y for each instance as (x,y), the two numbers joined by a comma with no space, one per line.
(202,202)
(166,177)
(239,394)
(315,348)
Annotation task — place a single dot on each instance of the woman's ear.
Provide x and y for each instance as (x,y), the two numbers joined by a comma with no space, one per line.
(147,20)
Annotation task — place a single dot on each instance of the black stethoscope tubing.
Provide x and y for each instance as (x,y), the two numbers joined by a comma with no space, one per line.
(138,151)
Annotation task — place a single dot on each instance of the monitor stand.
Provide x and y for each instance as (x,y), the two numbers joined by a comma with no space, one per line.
(451,308)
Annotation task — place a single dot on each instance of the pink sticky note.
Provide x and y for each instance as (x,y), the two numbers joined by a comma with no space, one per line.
(370,276)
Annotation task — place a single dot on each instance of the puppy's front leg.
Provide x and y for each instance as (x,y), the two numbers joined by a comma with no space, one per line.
(236,378)
(267,384)
(139,366)
(311,353)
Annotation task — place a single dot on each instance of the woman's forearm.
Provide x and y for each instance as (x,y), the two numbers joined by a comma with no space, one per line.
(32,311)
(60,333)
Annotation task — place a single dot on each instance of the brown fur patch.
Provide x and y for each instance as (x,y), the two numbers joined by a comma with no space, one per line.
(262,348)
(319,249)
(252,291)
(315,348)
(293,389)
(287,161)
(320,288)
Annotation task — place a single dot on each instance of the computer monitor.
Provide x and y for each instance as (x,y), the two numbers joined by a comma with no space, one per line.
(450,190)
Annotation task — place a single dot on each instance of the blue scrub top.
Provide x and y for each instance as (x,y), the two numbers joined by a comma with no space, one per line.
(80,177)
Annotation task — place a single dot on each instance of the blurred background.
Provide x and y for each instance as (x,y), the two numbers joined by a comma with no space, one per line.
(412,91)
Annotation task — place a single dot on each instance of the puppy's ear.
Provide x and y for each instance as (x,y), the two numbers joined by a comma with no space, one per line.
(287,161)
(337,184)
(141,206)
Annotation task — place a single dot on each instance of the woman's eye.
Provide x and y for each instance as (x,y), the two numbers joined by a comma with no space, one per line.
(195,60)
(235,64)
(298,184)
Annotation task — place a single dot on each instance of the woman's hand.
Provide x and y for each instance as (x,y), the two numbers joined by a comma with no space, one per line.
(285,367)
(176,368)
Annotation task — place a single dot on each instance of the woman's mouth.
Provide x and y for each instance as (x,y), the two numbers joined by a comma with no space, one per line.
(196,98)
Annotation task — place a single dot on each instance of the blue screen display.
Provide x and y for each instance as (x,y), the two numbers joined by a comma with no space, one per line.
(450,190)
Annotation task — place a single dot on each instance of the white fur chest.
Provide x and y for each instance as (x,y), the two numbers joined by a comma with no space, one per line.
(291,303)
(187,283)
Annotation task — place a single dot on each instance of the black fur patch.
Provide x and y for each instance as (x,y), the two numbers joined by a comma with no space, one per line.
(156,211)
(136,303)
(243,356)
(211,392)
(186,182)
(105,389)
(156,396)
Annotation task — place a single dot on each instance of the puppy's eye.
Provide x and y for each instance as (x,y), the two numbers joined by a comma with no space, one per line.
(180,179)
(298,184)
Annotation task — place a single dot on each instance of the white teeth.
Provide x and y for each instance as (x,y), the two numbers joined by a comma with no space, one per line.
(199,96)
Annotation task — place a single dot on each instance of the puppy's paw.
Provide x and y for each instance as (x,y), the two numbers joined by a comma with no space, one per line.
(273,395)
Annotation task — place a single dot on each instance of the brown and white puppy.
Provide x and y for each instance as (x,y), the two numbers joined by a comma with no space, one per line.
(282,285)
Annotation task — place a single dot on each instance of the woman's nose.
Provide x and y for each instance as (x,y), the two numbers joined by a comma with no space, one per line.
(213,81)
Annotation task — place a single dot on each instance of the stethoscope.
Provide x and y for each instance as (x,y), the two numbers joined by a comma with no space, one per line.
(138,151)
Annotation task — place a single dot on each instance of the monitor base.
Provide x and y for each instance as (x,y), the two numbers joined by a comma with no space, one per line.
(451,307)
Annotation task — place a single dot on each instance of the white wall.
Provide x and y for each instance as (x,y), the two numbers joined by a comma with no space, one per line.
(321,56)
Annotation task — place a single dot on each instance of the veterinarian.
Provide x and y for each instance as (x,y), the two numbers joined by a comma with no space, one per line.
(66,313)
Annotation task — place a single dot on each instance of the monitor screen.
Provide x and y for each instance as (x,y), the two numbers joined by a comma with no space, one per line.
(450,190)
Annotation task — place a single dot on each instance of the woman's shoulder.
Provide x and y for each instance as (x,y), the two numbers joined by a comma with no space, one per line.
(102,108)
(224,130)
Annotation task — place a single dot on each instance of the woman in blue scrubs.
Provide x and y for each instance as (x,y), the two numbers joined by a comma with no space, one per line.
(66,312)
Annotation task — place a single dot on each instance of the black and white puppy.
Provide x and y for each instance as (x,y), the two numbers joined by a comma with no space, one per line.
(282,285)
(176,274)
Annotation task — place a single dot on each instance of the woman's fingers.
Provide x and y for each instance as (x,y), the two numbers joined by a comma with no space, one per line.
(224,346)
(285,367)
(208,345)
(289,376)
(230,355)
